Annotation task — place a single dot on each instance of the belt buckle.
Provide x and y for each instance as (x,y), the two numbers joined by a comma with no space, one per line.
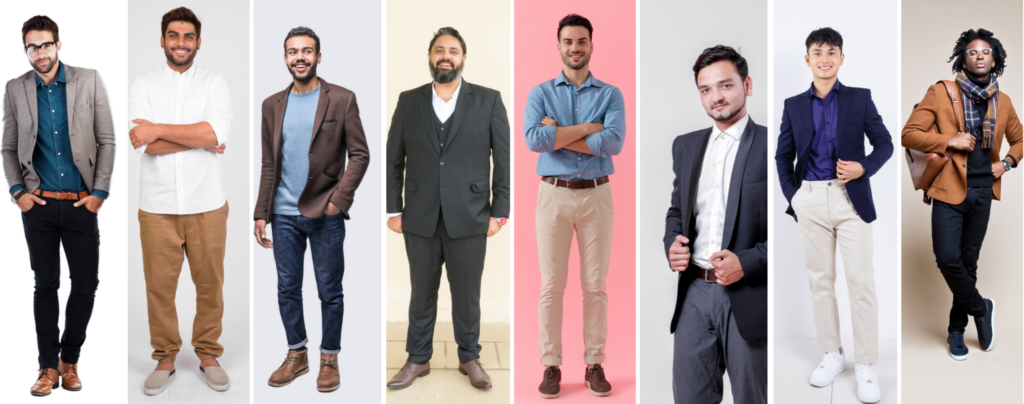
(706,272)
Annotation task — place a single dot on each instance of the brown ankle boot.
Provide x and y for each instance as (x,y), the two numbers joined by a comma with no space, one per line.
(295,364)
(69,375)
(596,382)
(328,380)
(47,380)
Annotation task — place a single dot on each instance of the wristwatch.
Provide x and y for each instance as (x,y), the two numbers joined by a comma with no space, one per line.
(502,221)
(17,195)
(1006,165)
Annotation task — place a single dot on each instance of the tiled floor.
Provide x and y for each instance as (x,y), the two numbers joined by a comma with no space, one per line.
(445,384)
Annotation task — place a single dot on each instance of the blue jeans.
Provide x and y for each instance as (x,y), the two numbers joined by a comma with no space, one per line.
(326,236)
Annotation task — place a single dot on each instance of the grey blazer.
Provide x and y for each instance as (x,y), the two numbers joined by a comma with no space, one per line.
(89,121)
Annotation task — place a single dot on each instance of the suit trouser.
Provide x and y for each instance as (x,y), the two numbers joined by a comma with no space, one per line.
(47,228)
(829,221)
(707,343)
(957,234)
(166,241)
(463,259)
(590,214)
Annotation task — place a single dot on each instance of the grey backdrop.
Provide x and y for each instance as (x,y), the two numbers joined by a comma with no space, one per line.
(670,106)
(225,50)
(355,65)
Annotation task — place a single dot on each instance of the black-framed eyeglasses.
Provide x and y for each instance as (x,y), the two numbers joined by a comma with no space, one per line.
(45,47)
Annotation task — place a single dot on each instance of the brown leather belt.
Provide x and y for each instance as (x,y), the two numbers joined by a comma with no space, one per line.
(582,184)
(708,275)
(67,196)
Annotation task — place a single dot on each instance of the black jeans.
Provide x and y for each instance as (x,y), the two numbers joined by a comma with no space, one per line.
(47,227)
(957,233)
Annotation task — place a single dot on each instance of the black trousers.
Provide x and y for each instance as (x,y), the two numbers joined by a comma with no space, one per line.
(957,234)
(463,259)
(47,228)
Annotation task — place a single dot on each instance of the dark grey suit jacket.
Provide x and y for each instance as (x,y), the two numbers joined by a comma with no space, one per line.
(454,178)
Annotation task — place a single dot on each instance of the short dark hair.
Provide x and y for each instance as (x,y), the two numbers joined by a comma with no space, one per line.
(180,14)
(302,31)
(960,50)
(719,53)
(450,32)
(825,36)
(39,23)
(575,20)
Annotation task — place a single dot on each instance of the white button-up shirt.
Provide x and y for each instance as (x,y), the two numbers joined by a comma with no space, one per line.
(189,181)
(441,108)
(713,190)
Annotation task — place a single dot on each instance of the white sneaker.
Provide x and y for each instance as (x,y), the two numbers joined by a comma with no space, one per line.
(831,365)
(867,384)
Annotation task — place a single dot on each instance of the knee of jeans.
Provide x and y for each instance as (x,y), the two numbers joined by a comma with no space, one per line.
(47,285)
(948,259)
(85,288)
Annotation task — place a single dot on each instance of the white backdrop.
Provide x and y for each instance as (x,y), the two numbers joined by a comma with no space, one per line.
(224,50)
(102,359)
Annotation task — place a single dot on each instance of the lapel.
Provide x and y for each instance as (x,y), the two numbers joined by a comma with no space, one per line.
(321,109)
(736,183)
(70,86)
(33,102)
(427,113)
(465,94)
(844,108)
(696,164)
(282,104)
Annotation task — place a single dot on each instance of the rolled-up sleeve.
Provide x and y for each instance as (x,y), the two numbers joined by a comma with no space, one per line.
(609,141)
(539,139)
(138,106)
(218,109)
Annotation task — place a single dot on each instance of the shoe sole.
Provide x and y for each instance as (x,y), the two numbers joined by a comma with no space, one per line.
(154,392)
(542,395)
(597,393)
(70,388)
(297,374)
(956,357)
(992,342)
(426,372)
(202,373)
(328,389)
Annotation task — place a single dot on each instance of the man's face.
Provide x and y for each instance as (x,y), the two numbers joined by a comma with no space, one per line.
(981,63)
(301,58)
(446,59)
(575,47)
(722,91)
(824,60)
(180,43)
(42,60)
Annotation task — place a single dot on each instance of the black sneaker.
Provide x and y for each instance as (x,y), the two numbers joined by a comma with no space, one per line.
(986,327)
(957,348)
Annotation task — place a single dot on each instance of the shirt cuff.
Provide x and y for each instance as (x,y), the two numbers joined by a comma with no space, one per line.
(394,214)
(17,188)
(141,149)
(99,193)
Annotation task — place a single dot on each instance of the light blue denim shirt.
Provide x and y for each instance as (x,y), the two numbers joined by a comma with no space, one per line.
(593,102)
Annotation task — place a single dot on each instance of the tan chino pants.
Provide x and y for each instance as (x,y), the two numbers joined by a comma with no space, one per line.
(166,241)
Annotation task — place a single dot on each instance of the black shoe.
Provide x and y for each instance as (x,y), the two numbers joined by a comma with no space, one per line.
(986,327)
(957,348)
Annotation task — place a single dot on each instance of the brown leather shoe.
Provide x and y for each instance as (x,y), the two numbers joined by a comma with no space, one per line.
(408,374)
(550,387)
(596,382)
(295,364)
(328,380)
(47,380)
(477,376)
(69,375)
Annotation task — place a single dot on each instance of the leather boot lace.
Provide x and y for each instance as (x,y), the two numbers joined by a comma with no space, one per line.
(598,372)
(332,362)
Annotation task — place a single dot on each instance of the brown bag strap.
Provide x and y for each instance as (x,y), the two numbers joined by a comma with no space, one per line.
(954,97)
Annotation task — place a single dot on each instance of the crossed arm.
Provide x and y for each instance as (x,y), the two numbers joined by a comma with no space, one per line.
(209,134)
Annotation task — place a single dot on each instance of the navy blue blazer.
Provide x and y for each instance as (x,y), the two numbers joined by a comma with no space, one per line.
(746,222)
(857,117)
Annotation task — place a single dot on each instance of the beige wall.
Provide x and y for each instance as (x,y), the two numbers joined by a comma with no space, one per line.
(485,27)
(930,28)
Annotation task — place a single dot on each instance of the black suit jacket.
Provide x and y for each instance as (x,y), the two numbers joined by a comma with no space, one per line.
(746,222)
(455,178)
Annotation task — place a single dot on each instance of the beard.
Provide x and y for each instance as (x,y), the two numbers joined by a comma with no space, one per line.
(726,117)
(310,73)
(445,76)
(49,67)
(171,57)
(576,66)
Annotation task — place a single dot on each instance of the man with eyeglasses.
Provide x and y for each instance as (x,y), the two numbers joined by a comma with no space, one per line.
(965,187)
(58,155)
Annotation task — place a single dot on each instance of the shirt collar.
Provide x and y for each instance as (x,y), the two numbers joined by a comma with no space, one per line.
(60,75)
(455,96)
(835,88)
(591,81)
(735,131)
(172,73)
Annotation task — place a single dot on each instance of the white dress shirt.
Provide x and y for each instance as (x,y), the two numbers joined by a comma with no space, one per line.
(713,190)
(441,108)
(189,181)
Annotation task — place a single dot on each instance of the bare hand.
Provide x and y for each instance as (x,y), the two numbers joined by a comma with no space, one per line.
(143,134)
(493,228)
(217,149)
(261,234)
(548,121)
(679,254)
(998,169)
(331,209)
(849,171)
(91,202)
(962,141)
(727,265)
(27,201)
(395,224)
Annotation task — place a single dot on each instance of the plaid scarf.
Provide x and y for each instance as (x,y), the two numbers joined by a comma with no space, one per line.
(972,94)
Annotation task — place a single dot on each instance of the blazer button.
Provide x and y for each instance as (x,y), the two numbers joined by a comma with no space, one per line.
(442,164)
(965,165)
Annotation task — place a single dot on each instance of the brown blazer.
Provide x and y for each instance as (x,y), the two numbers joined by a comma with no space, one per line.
(950,185)
(337,130)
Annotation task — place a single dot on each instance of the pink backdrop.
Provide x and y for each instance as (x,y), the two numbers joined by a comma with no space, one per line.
(613,62)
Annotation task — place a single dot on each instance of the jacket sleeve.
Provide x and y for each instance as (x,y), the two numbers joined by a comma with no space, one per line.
(674,216)
(358,159)
(103,130)
(878,136)
(268,164)
(755,263)
(785,154)
(500,156)
(915,134)
(9,146)
(395,162)
(1014,134)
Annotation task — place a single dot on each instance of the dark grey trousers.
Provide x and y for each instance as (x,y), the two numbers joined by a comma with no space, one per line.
(707,344)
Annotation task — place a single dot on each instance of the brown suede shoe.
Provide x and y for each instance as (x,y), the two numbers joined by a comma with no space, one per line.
(328,380)
(596,382)
(47,380)
(477,376)
(295,364)
(408,374)
(69,375)
(550,387)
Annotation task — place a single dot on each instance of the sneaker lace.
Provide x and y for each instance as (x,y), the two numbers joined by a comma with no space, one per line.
(826,362)
(979,323)
(866,372)
(598,372)
(549,376)
(958,339)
